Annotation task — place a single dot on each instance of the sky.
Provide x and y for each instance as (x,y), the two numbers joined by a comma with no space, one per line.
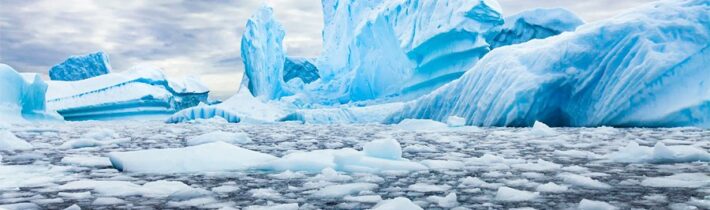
(184,37)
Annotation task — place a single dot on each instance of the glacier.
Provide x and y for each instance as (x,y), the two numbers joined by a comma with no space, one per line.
(645,67)
(81,67)
(139,92)
(22,97)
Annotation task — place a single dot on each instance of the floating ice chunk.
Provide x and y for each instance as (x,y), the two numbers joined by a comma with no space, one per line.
(456,121)
(217,156)
(685,180)
(348,160)
(659,154)
(228,137)
(87,161)
(265,193)
(513,195)
(476,182)
(225,189)
(341,190)
(421,125)
(595,205)
(20,206)
(81,143)
(157,189)
(290,206)
(75,195)
(424,187)
(577,154)
(398,203)
(449,201)
(539,165)
(418,148)
(73,207)
(107,201)
(583,181)
(10,142)
(329,174)
(364,198)
(387,148)
(101,134)
(551,188)
(443,164)
(541,129)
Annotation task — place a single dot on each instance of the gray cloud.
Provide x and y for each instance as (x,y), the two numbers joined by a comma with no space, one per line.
(183,37)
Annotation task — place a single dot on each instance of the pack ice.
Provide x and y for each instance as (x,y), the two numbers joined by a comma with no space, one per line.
(646,67)
(141,91)
(22,96)
(81,67)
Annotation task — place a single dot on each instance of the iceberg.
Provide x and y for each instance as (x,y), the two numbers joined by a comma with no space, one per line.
(303,68)
(22,96)
(532,24)
(263,55)
(81,67)
(379,49)
(242,107)
(211,157)
(140,92)
(646,67)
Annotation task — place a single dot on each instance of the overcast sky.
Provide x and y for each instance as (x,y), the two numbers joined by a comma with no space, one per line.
(183,37)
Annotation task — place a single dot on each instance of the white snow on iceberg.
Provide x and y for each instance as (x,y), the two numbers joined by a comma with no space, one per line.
(642,68)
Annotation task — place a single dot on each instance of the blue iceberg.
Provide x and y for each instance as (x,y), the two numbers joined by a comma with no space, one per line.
(22,97)
(263,55)
(647,67)
(81,67)
(138,93)
(302,68)
(532,24)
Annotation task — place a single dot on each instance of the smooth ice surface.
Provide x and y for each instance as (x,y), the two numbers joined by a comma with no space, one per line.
(22,97)
(81,67)
(217,156)
(140,92)
(644,67)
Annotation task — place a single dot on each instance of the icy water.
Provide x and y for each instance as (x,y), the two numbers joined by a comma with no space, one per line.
(574,159)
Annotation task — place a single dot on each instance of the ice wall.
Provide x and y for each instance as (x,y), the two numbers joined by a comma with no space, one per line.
(81,67)
(646,67)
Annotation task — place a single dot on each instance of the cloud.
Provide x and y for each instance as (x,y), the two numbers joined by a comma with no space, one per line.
(182,37)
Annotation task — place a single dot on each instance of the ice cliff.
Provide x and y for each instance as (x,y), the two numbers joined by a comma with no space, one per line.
(81,67)
(22,96)
(646,67)
(532,24)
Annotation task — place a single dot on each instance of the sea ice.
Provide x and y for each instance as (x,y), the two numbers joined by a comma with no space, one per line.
(228,137)
(513,195)
(216,156)
(398,203)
